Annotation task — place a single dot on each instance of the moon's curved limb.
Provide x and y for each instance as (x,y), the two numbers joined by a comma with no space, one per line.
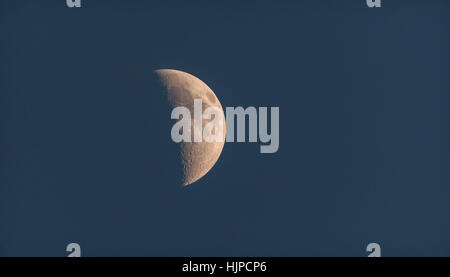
(197,158)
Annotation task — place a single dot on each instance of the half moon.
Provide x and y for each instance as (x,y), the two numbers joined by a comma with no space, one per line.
(197,158)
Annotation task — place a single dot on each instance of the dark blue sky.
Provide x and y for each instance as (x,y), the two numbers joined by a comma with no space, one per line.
(364,153)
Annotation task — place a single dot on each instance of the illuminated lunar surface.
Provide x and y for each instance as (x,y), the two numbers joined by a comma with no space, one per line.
(197,158)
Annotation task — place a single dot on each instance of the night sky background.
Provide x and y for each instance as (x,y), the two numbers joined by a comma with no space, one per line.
(364,97)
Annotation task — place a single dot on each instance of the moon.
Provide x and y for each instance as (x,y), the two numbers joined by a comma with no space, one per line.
(197,158)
